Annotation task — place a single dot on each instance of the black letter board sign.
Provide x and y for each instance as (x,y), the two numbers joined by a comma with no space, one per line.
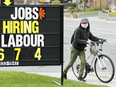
(31,35)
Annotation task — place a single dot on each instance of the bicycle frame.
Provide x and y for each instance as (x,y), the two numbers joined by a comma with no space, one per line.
(96,57)
(92,59)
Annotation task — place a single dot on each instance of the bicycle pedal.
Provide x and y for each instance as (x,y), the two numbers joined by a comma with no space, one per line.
(92,70)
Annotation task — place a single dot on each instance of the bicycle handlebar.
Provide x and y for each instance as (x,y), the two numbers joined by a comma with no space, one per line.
(98,42)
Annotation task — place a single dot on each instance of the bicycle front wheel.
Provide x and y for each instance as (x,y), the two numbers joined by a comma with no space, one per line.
(76,68)
(104,68)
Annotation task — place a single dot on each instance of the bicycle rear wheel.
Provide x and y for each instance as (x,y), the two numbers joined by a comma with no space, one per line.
(76,68)
(104,68)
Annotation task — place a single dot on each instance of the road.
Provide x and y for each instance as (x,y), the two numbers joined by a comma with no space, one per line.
(99,28)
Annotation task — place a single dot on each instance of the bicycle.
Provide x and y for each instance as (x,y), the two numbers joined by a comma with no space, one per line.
(103,65)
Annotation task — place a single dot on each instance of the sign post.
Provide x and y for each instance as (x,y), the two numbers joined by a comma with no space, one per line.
(31,35)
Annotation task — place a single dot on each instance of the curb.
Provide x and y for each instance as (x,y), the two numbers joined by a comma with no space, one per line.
(103,16)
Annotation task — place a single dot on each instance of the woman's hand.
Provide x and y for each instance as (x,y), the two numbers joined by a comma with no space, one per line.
(105,39)
(89,42)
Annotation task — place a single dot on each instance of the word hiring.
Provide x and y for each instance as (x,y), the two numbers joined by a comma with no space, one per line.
(26,40)
(26,13)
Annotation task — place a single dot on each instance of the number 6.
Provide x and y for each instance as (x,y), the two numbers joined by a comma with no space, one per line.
(1,54)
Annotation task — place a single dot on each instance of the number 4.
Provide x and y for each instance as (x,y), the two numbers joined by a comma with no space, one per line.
(38,54)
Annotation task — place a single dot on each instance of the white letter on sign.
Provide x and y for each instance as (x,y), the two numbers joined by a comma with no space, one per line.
(26,39)
(11,41)
(21,11)
(40,40)
(19,40)
(28,13)
(34,40)
(2,40)
(12,15)
(36,15)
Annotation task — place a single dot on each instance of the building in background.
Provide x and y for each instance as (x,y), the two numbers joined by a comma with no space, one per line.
(98,3)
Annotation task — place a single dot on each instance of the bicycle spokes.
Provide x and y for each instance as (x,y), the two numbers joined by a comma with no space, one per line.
(102,63)
(104,68)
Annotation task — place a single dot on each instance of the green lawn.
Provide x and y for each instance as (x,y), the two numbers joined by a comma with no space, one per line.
(112,14)
(21,79)
(88,12)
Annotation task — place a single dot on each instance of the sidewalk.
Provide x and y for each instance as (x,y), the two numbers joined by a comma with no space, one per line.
(90,79)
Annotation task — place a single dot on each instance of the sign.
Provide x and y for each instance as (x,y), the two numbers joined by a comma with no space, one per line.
(31,35)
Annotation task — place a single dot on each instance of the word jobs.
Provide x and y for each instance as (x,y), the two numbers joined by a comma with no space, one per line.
(26,13)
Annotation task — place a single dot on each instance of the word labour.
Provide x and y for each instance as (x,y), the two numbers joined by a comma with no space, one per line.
(26,40)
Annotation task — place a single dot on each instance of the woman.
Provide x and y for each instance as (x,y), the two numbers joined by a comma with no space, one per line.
(81,36)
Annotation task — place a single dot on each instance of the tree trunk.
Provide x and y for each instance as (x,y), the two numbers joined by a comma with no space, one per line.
(84,6)
(100,5)
(76,5)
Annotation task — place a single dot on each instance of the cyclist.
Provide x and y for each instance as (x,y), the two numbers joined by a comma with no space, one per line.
(81,36)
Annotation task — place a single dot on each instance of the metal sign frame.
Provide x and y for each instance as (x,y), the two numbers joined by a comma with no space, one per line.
(59,60)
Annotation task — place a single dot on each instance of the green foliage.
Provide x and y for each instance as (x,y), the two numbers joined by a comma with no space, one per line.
(26,4)
(73,4)
(69,8)
(105,11)
(106,8)
(73,10)
(89,12)
(56,2)
(21,79)
(112,13)
(51,1)
(79,9)
(80,2)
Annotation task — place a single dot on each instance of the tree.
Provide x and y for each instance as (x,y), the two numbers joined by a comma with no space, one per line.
(115,2)
(76,5)
(100,5)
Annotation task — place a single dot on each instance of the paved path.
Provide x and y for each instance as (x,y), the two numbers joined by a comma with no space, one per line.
(90,79)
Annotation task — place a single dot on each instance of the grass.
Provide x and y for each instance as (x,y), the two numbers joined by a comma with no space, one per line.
(89,12)
(112,14)
(21,79)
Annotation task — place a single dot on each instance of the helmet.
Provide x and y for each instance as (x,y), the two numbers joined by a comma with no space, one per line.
(94,48)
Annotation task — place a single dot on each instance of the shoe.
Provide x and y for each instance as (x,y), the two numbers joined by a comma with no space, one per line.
(65,76)
(81,79)
(88,68)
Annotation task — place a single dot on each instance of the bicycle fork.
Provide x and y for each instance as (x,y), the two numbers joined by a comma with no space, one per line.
(101,63)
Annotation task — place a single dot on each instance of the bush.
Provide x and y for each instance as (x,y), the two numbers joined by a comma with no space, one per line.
(113,12)
(51,1)
(69,8)
(105,11)
(73,4)
(56,2)
(91,8)
(106,8)
(73,10)
(79,9)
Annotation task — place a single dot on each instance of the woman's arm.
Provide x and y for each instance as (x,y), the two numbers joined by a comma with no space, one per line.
(77,37)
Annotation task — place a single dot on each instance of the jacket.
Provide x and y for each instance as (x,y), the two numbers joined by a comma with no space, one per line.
(81,37)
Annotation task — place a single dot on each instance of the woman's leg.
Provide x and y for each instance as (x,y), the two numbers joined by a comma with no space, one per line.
(83,61)
(73,57)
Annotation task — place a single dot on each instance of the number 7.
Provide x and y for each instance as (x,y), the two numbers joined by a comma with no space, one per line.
(18,53)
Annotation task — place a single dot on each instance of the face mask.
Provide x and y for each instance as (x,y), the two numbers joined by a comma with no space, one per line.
(84,25)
